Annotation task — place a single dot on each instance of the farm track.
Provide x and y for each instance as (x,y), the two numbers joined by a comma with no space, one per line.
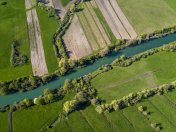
(29,4)
(105,36)
(123,19)
(87,31)
(108,18)
(38,62)
(94,27)
(75,41)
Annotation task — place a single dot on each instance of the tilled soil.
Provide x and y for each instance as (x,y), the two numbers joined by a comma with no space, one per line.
(75,41)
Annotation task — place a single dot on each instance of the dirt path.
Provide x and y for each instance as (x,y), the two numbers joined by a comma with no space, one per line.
(38,62)
(10,122)
(29,4)
(75,41)
(123,19)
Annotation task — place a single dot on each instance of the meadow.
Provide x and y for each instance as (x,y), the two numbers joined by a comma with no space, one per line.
(4,122)
(13,27)
(65,2)
(48,27)
(146,73)
(147,16)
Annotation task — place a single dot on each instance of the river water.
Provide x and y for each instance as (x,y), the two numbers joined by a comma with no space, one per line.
(129,51)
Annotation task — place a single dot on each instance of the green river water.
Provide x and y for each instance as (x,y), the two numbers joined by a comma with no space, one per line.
(129,51)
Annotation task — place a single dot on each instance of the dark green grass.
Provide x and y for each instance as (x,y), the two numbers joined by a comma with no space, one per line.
(65,2)
(171,3)
(60,127)
(96,120)
(78,123)
(4,122)
(157,117)
(48,26)
(119,122)
(139,122)
(171,96)
(36,118)
(163,62)
(105,25)
(165,107)
(13,27)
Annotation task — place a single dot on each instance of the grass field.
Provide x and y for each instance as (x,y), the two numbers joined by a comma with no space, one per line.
(48,26)
(133,78)
(65,2)
(172,3)
(37,116)
(13,27)
(4,122)
(147,15)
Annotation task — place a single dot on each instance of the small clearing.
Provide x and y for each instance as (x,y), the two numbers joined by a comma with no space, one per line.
(75,41)
(38,62)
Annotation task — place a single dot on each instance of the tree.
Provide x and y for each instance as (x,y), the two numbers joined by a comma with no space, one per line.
(28,102)
(46,91)
(67,85)
(40,101)
(69,106)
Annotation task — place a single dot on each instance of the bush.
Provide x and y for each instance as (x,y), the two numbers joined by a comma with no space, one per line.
(70,106)
(153,125)
(3,3)
(140,108)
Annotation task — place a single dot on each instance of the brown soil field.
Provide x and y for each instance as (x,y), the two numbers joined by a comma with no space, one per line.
(75,41)
(123,19)
(38,62)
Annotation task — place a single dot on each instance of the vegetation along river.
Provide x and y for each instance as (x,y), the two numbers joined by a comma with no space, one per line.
(129,51)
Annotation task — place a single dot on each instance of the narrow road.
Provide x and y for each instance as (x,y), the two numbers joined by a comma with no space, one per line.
(10,122)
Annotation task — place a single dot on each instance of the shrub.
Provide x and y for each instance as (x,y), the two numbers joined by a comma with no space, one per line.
(140,108)
(3,3)
(70,106)
(153,125)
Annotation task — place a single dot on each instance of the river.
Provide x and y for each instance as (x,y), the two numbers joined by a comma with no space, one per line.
(129,51)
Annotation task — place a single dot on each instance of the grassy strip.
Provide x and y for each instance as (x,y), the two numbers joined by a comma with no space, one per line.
(38,116)
(47,32)
(61,127)
(171,96)
(156,116)
(96,120)
(105,25)
(119,122)
(171,3)
(77,122)
(137,119)
(4,122)
(168,109)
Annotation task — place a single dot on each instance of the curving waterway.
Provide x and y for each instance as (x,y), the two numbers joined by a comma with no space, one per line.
(129,51)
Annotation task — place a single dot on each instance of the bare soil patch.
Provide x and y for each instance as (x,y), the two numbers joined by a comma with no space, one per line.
(38,62)
(75,41)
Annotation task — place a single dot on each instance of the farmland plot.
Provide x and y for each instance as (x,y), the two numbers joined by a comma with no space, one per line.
(76,42)
(112,19)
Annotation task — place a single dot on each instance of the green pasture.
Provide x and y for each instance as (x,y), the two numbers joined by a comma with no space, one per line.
(147,16)
(38,117)
(121,81)
(48,27)
(65,2)
(13,27)
(171,3)
(4,122)
(61,127)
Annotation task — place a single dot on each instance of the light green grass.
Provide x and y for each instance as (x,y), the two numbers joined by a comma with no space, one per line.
(48,26)
(60,127)
(78,123)
(119,122)
(139,122)
(171,3)
(162,62)
(37,117)
(96,120)
(65,2)
(13,27)
(148,15)
(4,122)
(165,107)
(171,96)
(157,117)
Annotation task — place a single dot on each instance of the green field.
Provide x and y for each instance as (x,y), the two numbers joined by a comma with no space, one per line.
(65,2)
(149,15)
(39,117)
(13,27)
(172,3)
(48,26)
(161,67)
(4,122)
